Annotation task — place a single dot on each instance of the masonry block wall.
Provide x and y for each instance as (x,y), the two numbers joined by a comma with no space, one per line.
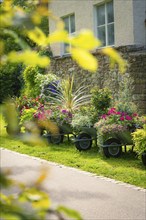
(132,84)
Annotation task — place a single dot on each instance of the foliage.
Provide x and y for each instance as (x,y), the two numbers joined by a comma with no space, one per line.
(29,75)
(111,128)
(61,116)
(36,81)
(139,139)
(10,42)
(124,106)
(48,83)
(90,111)
(80,121)
(25,102)
(125,88)
(58,115)
(31,202)
(27,115)
(101,99)
(67,97)
(10,115)
(10,81)
(34,110)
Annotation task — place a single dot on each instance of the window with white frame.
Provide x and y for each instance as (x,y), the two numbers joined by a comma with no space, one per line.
(105,23)
(69,22)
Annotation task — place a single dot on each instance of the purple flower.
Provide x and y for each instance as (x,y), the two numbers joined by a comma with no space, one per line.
(70,115)
(64,111)
(123,113)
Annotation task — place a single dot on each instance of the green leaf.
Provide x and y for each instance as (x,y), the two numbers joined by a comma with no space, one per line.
(39,199)
(69,212)
(9,217)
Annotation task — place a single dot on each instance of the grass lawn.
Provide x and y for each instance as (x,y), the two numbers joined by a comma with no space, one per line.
(127,169)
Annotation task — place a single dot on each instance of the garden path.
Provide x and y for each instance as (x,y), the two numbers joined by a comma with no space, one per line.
(96,198)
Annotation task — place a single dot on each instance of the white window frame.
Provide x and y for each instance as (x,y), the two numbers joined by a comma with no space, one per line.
(106,22)
(63,52)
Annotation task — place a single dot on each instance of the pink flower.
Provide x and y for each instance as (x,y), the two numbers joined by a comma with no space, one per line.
(122,118)
(112,111)
(104,116)
(128,118)
(118,113)
(123,113)
(135,115)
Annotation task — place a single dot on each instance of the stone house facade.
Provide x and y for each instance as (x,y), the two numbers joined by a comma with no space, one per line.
(117,23)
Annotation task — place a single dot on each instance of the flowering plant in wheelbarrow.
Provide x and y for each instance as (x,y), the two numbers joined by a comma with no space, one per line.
(114,130)
(82,124)
(60,119)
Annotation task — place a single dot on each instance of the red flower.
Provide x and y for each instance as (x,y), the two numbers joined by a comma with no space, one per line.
(135,115)
(128,118)
(122,118)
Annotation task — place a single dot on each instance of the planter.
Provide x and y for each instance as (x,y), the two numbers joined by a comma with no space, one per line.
(143,157)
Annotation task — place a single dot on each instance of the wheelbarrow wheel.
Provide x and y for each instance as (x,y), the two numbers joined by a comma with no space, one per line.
(55,138)
(114,150)
(83,142)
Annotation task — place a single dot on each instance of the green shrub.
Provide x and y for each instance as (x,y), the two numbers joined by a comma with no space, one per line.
(10,81)
(80,121)
(124,106)
(139,139)
(101,99)
(35,81)
(29,75)
(27,115)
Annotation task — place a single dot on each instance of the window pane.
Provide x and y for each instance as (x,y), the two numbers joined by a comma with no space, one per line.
(101,15)
(110,12)
(72,23)
(66,48)
(101,35)
(110,29)
(66,21)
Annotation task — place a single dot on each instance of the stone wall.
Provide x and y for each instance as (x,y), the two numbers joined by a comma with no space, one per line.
(131,84)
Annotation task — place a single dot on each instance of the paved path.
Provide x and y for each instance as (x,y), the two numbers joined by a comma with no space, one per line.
(95,197)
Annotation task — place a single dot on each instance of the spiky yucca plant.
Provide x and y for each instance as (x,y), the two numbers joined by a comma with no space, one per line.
(67,97)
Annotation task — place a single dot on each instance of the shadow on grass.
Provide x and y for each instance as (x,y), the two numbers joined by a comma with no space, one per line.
(127,159)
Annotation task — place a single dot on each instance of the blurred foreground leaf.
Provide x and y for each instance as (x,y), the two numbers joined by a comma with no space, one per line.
(70,212)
